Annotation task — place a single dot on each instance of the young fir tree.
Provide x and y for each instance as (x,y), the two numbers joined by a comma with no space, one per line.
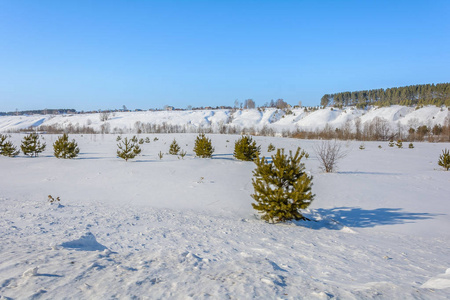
(62,148)
(270,148)
(245,149)
(203,147)
(399,144)
(444,159)
(128,149)
(174,148)
(7,148)
(391,143)
(411,146)
(31,145)
(282,187)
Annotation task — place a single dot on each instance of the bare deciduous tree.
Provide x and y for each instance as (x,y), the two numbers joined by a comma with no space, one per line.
(328,153)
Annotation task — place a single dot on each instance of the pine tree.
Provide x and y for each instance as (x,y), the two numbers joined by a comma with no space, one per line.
(411,146)
(203,147)
(128,149)
(62,148)
(444,159)
(399,144)
(391,143)
(174,148)
(270,148)
(31,145)
(245,149)
(282,187)
(7,148)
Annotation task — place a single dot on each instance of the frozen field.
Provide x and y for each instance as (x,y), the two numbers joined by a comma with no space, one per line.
(185,229)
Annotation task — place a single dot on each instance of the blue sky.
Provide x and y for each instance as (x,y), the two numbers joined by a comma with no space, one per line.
(146,54)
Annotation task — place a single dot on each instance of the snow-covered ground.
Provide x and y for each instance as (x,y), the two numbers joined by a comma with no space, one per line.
(271,118)
(185,229)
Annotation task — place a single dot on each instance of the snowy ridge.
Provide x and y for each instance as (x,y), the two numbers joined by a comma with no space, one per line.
(271,118)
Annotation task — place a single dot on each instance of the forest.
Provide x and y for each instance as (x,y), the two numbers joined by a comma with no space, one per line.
(421,94)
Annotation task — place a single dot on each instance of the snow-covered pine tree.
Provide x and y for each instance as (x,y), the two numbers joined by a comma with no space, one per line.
(62,148)
(31,145)
(203,147)
(7,148)
(174,148)
(399,144)
(128,149)
(444,159)
(245,149)
(282,187)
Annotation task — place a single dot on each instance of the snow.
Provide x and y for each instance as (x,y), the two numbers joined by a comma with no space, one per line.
(272,118)
(185,229)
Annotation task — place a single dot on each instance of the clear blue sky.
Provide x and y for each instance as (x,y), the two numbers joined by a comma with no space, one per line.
(146,54)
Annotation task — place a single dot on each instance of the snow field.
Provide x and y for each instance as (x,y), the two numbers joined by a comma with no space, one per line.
(181,229)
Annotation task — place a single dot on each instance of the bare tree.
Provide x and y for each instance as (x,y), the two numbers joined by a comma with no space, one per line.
(328,153)
(104,116)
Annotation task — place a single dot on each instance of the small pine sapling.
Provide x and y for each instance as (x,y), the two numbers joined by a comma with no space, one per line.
(379,147)
(174,148)
(203,147)
(182,154)
(444,159)
(160,155)
(134,139)
(118,138)
(62,148)
(282,187)
(8,149)
(147,140)
(270,148)
(362,147)
(399,144)
(141,141)
(411,146)
(391,143)
(31,145)
(155,139)
(128,149)
(245,149)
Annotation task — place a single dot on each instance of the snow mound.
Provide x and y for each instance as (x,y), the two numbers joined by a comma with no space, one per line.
(87,242)
(441,281)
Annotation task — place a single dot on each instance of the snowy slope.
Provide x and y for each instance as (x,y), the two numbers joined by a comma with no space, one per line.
(185,229)
(272,118)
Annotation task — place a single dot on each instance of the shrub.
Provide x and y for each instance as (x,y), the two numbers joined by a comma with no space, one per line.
(174,148)
(362,147)
(411,146)
(141,141)
(245,149)
(203,147)
(270,148)
(7,148)
(31,145)
(118,138)
(391,143)
(128,149)
(328,154)
(160,155)
(62,148)
(147,140)
(282,187)
(444,159)
(182,154)
(399,144)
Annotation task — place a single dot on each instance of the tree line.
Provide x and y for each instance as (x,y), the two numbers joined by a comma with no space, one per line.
(420,94)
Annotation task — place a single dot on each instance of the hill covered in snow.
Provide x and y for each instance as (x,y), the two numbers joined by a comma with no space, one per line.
(216,121)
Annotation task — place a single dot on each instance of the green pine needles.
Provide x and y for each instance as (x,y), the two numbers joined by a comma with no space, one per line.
(174,148)
(444,159)
(203,147)
(31,145)
(282,187)
(245,149)
(7,148)
(128,148)
(62,148)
